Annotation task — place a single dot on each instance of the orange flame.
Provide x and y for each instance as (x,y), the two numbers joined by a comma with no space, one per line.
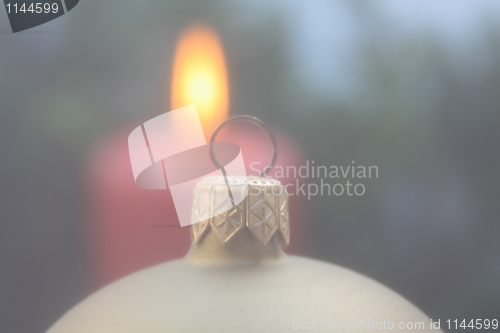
(200,76)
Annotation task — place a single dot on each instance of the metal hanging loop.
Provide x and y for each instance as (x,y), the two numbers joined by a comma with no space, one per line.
(254,120)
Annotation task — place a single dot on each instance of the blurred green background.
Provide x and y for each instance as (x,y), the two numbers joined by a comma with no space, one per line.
(410,86)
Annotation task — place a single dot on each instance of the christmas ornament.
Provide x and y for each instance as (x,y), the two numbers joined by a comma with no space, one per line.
(237,278)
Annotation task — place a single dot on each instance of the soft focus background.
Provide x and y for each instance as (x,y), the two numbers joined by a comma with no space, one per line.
(412,87)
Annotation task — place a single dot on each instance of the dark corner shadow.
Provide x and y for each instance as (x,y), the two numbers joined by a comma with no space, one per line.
(27,32)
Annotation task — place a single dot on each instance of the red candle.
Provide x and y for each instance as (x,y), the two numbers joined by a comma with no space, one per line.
(131,228)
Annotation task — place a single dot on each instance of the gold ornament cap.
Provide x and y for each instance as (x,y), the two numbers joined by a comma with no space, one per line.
(264,210)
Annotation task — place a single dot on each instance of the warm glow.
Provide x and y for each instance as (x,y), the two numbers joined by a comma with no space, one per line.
(200,76)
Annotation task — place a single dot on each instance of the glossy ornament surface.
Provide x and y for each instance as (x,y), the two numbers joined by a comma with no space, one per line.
(239,279)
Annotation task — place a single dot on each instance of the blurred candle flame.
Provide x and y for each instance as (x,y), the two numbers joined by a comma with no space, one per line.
(200,76)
